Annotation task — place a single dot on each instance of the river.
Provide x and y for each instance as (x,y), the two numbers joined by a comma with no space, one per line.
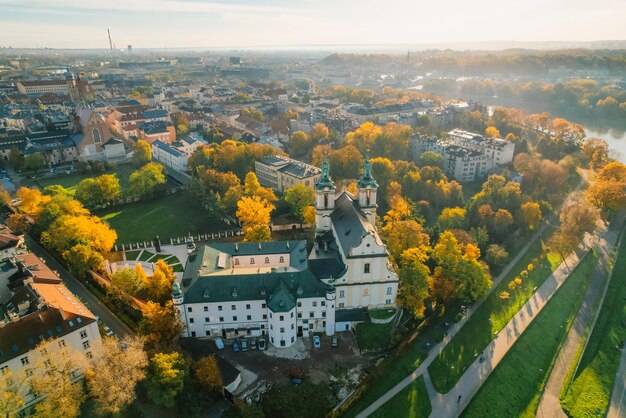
(616,140)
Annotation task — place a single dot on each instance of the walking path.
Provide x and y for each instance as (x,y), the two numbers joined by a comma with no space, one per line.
(550,404)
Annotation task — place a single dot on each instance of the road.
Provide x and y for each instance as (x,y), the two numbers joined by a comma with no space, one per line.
(75,286)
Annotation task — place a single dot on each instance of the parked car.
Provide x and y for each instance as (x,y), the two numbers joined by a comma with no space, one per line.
(253,344)
(316,342)
(334,342)
(219,343)
(296,375)
(244,345)
(235,346)
(262,345)
(108,331)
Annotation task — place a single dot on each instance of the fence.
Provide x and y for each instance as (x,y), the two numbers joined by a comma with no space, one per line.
(179,240)
(105,283)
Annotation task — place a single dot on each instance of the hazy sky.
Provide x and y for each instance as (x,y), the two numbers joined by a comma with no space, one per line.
(221,23)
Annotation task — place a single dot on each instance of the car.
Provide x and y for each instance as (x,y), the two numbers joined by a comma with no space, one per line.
(235,346)
(316,342)
(244,345)
(253,344)
(262,345)
(108,331)
(334,342)
(219,343)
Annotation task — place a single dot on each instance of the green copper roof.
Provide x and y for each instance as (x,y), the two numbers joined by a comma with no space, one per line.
(282,300)
(366,180)
(325,181)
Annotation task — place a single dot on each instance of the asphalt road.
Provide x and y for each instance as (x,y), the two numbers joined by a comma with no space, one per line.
(76,287)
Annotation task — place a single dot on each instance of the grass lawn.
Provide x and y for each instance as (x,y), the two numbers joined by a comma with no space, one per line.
(411,402)
(491,317)
(381,313)
(158,257)
(132,255)
(167,216)
(397,366)
(70,181)
(515,386)
(178,268)
(372,336)
(590,391)
(146,255)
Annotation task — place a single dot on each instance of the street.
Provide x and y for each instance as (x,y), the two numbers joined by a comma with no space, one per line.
(76,287)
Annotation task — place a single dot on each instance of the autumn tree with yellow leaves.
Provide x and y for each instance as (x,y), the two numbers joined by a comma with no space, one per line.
(254,215)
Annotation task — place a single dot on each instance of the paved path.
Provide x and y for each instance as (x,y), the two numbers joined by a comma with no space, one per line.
(550,404)
(452,331)
(76,287)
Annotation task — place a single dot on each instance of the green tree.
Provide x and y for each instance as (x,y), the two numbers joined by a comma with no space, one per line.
(16,158)
(34,162)
(299,144)
(414,278)
(431,158)
(81,258)
(166,378)
(299,197)
(142,153)
(146,179)
(130,280)
(452,218)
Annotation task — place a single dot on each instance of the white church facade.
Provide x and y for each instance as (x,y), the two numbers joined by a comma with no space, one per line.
(277,290)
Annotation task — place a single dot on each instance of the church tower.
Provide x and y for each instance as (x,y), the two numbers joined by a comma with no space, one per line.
(367,192)
(324,199)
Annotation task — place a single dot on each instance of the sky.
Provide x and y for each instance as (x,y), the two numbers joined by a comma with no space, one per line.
(270,23)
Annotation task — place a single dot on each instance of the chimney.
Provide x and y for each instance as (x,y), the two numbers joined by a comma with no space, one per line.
(236,247)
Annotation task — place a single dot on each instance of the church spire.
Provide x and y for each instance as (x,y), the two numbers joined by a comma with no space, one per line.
(325,181)
(366,180)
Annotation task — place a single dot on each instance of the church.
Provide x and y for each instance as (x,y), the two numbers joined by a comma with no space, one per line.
(277,290)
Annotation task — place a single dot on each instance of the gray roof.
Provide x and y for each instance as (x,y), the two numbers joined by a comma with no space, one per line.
(349,223)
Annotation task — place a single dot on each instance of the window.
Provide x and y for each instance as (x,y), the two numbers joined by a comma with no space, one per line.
(292,339)
(264,316)
(271,326)
(25,361)
(248,306)
(314,304)
(282,318)
(272,340)
(96,136)
(221,319)
(282,329)
(249,318)
(191,321)
(234,317)
(236,261)
(207,333)
(193,333)
(366,292)
(323,303)
(388,301)
(366,268)
(233,307)
(299,315)
(299,304)
(270,315)
(292,314)
(83,334)
(263,306)
(89,355)
(267,260)
(292,326)
(340,305)
(207,319)
(389,290)
(324,314)
(61,343)
(29,372)
(251,260)
(219,307)
(342,293)
(311,314)
(281,259)
(85,344)
(189,309)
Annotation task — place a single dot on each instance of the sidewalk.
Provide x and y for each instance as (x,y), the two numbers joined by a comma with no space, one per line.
(550,404)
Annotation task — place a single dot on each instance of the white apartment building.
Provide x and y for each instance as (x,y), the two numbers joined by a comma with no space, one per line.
(280,173)
(169,156)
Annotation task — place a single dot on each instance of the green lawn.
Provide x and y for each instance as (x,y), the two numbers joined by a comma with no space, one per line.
(491,317)
(591,387)
(158,257)
(132,255)
(167,216)
(515,386)
(411,402)
(396,367)
(178,268)
(372,336)
(70,181)
(146,255)
(381,313)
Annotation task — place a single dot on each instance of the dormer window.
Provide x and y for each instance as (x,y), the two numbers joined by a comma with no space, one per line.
(236,261)
(267,260)
(281,259)
(251,260)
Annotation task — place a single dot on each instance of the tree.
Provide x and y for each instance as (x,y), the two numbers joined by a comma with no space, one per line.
(207,373)
(298,144)
(18,222)
(142,153)
(496,255)
(68,230)
(161,325)
(34,162)
(254,214)
(32,200)
(597,151)
(290,114)
(81,258)
(88,193)
(578,217)
(414,278)
(144,180)
(16,158)
(114,374)
(363,137)
(109,187)
(252,187)
(252,113)
(320,132)
(431,158)
(299,197)
(608,192)
(12,388)
(492,132)
(159,286)
(130,280)
(166,378)
(531,215)
(452,218)
(285,401)
(55,380)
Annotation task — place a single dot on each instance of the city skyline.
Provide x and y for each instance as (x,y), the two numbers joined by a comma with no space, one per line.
(244,23)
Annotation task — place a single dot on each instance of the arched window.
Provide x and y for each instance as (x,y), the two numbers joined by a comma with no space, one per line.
(251,260)
(96,136)
(267,260)
(325,200)
(281,259)
(236,261)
